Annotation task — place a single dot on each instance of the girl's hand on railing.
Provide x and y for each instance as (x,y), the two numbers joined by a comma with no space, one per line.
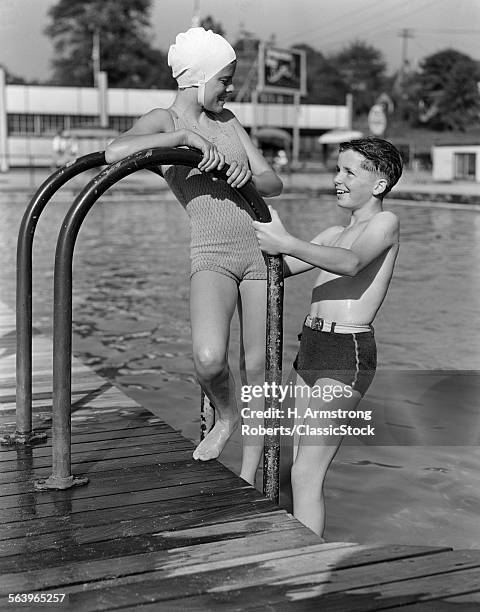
(238,174)
(212,158)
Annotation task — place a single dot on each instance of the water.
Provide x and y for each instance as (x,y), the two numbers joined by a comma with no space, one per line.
(131,324)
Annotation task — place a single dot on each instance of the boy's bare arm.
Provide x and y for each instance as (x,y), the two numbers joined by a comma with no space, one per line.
(293,265)
(381,233)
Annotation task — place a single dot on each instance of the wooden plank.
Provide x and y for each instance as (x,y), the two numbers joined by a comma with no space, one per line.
(132,527)
(83,439)
(103,466)
(83,385)
(82,398)
(91,425)
(135,478)
(160,444)
(82,453)
(43,419)
(385,597)
(321,575)
(109,438)
(260,576)
(70,552)
(154,494)
(379,597)
(156,435)
(42,372)
(203,501)
(86,416)
(459,603)
(352,555)
(39,456)
(136,567)
(82,382)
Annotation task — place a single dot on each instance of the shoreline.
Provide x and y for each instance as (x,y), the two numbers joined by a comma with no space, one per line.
(414,187)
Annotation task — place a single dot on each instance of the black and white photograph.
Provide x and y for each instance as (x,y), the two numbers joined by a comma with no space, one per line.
(239,298)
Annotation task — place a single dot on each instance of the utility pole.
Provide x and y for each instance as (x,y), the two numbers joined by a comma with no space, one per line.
(3,121)
(405,34)
(100,79)
(196,14)
(96,55)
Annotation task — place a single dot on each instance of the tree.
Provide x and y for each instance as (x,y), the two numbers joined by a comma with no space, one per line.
(209,23)
(246,50)
(125,50)
(446,91)
(362,69)
(325,84)
(14,79)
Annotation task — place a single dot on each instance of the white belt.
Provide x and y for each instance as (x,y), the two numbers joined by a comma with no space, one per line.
(320,324)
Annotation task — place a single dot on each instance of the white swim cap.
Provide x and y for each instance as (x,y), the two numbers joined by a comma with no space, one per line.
(197,56)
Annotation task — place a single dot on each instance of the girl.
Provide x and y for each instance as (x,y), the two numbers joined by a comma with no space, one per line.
(228,268)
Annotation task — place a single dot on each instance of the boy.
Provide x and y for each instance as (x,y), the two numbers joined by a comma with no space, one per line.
(337,348)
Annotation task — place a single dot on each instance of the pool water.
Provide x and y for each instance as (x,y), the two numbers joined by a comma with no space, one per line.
(419,481)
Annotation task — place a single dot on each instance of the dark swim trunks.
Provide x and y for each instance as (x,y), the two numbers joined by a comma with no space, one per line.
(350,358)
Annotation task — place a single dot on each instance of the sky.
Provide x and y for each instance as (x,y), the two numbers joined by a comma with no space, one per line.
(326,25)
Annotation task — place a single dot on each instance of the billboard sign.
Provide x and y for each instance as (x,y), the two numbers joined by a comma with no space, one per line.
(282,70)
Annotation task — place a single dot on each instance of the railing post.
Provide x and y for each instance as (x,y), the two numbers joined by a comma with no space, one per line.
(273,374)
(24,433)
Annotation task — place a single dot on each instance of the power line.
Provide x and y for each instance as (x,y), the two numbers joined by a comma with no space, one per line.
(325,24)
(366,26)
(449,31)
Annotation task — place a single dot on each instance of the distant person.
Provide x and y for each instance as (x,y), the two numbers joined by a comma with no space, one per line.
(280,161)
(72,147)
(227,266)
(337,347)
(59,147)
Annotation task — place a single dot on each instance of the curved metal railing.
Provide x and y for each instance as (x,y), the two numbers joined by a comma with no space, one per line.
(61,477)
(23,433)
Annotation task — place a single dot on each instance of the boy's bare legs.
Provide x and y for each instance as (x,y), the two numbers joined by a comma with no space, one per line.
(213,298)
(314,456)
(252,312)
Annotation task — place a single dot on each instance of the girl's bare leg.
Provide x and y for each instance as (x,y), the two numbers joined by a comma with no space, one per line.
(213,298)
(252,312)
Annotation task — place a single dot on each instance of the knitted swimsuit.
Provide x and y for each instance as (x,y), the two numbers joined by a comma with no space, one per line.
(222,235)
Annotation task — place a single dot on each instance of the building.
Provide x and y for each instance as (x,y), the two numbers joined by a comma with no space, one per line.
(456,162)
(31,115)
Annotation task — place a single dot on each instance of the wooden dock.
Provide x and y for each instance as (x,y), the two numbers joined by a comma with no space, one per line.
(154,530)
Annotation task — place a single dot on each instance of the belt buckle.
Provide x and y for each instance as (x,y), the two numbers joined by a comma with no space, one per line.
(318,323)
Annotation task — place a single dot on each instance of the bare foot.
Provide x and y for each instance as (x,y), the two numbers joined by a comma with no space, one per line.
(212,445)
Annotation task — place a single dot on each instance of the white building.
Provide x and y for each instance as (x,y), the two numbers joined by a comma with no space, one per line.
(456,162)
(31,115)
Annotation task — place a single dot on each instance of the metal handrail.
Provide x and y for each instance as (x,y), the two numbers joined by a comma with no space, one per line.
(61,477)
(23,433)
